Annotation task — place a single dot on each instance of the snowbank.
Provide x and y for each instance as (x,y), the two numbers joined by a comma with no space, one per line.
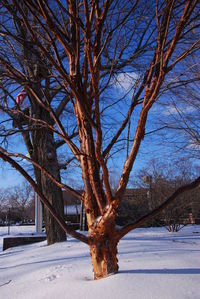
(154,264)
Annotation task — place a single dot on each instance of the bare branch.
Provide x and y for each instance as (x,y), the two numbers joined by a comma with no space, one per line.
(53,179)
(44,200)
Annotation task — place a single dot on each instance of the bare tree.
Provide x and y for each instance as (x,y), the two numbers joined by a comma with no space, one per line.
(39,140)
(185,114)
(3,206)
(101,39)
(178,122)
(16,201)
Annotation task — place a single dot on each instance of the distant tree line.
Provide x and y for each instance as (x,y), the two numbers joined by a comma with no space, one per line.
(17,205)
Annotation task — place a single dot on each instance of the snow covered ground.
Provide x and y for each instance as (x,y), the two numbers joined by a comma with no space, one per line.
(154,264)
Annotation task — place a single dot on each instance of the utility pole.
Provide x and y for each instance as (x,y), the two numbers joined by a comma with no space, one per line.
(148,180)
(38,214)
(149,192)
(82,217)
(8,220)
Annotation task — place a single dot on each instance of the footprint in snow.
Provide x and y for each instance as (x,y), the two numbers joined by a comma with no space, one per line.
(51,277)
(54,272)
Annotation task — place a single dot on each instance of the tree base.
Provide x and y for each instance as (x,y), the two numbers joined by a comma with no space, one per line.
(104,258)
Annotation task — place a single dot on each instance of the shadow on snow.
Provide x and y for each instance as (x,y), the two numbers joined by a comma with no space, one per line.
(185,271)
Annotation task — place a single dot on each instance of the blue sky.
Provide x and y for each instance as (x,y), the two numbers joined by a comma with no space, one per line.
(9,176)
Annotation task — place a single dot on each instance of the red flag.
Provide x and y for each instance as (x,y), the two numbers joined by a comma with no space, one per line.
(21,97)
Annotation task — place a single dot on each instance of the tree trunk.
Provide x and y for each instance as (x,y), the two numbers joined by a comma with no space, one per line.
(104,258)
(103,251)
(54,194)
(44,153)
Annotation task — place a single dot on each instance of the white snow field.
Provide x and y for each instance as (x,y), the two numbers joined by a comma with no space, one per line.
(154,264)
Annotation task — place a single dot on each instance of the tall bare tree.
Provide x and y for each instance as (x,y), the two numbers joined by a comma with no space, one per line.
(101,39)
(16,202)
(39,141)
(184,108)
